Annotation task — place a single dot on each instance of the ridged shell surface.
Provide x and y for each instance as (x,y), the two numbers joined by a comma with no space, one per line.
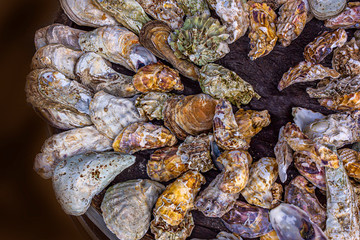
(323,9)
(152,104)
(283,154)
(349,18)
(346,59)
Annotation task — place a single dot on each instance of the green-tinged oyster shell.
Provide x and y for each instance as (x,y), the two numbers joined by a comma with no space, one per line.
(194,7)
(152,104)
(127,12)
(220,82)
(201,39)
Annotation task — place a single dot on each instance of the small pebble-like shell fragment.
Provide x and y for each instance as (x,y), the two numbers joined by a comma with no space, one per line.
(305,72)
(283,154)
(323,9)
(111,114)
(178,198)
(323,45)
(152,104)
(263,175)
(220,82)
(140,136)
(126,207)
(349,18)
(67,144)
(346,59)
(77,179)
(247,220)
(351,160)
(262,30)
(157,77)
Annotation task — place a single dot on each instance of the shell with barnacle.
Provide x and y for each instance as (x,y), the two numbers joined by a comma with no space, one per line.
(194,7)
(349,18)
(154,36)
(157,77)
(201,40)
(283,154)
(351,159)
(140,136)
(323,45)
(118,45)
(77,179)
(85,13)
(96,73)
(126,207)
(262,30)
(220,82)
(151,104)
(324,9)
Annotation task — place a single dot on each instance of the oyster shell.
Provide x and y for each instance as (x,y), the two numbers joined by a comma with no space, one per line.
(168,11)
(118,45)
(126,207)
(274,4)
(157,77)
(189,115)
(351,160)
(201,40)
(291,222)
(67,144)
(111,114)
(306,72)
(85,13)
(97,74)
(247,220)
(251,122)
(270,236)
(283,154)
(323,45)
(154,37)
(263,174)
(129,13)
(356,187)
(164,231)
(323,9)
(338,94)
(262,30)
(220,82)
(346,59)
(303,117)
(301,193)
(349,18)
(292,20)
(178,198)
(152,104)
(58,33)
(277,191)
(77,179)
(140,136)
(194,7)
(224,236)
(212,201)
(57,57)
(234,14)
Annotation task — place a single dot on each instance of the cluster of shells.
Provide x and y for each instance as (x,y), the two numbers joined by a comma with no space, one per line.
(105,117)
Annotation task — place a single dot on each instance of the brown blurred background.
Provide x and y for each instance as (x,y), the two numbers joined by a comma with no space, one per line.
(28,207)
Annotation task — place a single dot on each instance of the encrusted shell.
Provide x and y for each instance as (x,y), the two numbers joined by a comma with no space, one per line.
(97,74)
(157,77)
(338,94)
(152,104)
(283,154)
(305,72)
(77,179)
(111,114)
(58,33)
(263,174)
(126,207)
(140,136)
(85,13)
(323,45)
(178,198)
(301,193)
(323,9)
(270,236)
(154,36)
(262,30)
(274,4)
(194,7)
(247,220)
(351,160)
(224,236)
(277,191)
(349,18)
(57,57)
(127,12)
(168,11)
(220,82)
(251,122)
(67,144)
(292,20)
(291,222)
(213,202)
(118,45)
(234,14)
(356,187)
(346,59)
(201,40)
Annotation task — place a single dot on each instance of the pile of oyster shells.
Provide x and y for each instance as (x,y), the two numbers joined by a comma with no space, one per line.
(106,117)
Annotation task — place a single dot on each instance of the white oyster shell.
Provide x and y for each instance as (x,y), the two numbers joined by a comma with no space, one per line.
(126,207)
(303,117)
(77,179)
(111,114)
(324,9)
